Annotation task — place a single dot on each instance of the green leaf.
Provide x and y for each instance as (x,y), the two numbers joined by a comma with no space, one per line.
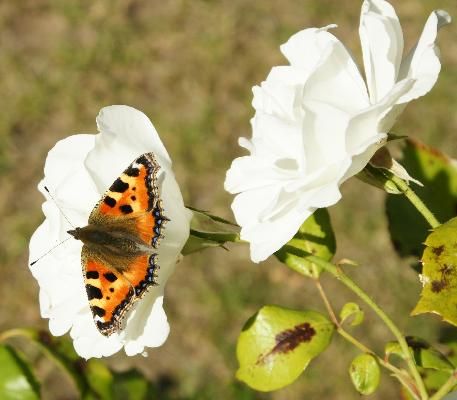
(99,378)
(277,344)
(365,373)
(314,237)
(425,356)
(393,348)
(438,173)
(61,351)
(439,273)
(448,337)
(207,230)
(92,378)
(16,378)
(352,311)
(435,378)
(132,385)
(58,350)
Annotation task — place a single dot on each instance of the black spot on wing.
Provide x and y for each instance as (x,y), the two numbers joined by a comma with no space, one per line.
(132,171)
(119,186)
(93,292)
(108,327)
(109,201)
(142,160)
(126,209)
(98,311)
(92,274)
(110,277)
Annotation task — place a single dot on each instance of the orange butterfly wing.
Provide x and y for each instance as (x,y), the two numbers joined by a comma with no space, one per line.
(111,293)
(131,206)
(134,196)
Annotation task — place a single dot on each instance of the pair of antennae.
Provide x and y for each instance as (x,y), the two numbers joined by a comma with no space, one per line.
(63,241)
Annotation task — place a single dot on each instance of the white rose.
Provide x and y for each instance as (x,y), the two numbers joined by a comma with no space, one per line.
(78,171)
(316,124)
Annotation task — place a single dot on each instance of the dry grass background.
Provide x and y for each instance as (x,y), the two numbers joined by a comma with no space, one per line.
(190,65)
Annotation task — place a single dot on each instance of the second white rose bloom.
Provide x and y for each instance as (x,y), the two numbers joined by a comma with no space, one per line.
(316,123)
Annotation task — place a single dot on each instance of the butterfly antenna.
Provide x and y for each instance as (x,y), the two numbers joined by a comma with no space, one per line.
(58,206)
(51,249)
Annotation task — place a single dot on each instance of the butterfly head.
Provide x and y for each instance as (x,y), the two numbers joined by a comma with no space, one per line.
(89,234)
(76,233)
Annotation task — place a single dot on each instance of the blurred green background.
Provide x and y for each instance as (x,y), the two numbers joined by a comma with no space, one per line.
(190,65)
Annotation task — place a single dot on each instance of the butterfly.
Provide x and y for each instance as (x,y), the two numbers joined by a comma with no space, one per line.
(120,241)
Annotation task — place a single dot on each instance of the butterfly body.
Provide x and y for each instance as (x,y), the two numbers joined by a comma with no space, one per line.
(120,241)
(111,242)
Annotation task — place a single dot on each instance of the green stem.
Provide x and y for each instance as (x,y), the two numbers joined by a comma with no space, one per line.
(446,388)
(416,201)
(12,333)
(348,282)
(402,376)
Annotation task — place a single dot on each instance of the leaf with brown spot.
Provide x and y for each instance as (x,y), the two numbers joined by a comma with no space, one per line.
(277,344)
(439,273)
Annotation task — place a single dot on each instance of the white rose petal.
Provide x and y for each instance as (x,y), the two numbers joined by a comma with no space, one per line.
(78,170)
(381,38)
(423,63)
(316,124)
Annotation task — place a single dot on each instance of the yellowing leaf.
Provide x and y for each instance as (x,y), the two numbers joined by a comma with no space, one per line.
(439,273)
